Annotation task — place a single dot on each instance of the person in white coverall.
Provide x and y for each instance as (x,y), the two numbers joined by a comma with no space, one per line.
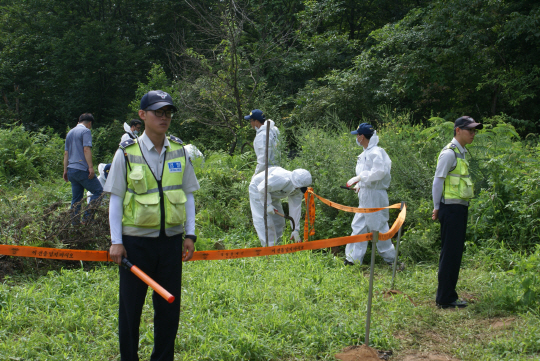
(281,184)
(131,130)
(103,170)
(371,182)
(259,123)
(195,155)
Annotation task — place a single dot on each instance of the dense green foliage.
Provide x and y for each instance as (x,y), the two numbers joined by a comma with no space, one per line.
(293,59)
(27,156)
(450,58)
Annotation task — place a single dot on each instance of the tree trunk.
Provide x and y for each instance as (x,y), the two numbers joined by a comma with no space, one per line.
(16,87)
(494,97)
(5,98)
(232,147)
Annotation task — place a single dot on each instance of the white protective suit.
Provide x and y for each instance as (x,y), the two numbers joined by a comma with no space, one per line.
(259,145)
(373,166)
(281,183)
(101,178)
(127,133)
(196,156)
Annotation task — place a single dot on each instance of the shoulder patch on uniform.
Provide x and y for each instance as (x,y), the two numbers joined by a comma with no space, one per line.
(127,143)
(172,138)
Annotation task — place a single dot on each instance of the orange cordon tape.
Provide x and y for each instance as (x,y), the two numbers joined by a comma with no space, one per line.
(309,224)
(296,247)
(103,256)
(55,253)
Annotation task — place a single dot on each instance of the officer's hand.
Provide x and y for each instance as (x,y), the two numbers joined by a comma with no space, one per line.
(91,173)
(117,252)
(356,188)
(65,176)
(435,214)
(189,248)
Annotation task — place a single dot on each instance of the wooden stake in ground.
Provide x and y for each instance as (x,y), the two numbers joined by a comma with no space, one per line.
(266,183)
(370,295)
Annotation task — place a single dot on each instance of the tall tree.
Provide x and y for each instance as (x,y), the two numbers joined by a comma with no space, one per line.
(453,57)
(61,58)
(219,65)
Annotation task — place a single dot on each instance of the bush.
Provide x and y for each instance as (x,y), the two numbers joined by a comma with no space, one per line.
(105,142)
(29,156)
(223,200)
(519,289)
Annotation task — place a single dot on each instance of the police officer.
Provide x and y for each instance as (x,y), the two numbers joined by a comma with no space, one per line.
(452,190)
(151,182)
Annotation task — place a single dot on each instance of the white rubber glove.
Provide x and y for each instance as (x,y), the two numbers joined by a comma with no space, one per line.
(295,236)
(356,187)
(353,181)
(270,210)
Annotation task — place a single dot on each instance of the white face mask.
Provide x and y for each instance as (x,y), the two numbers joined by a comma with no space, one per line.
(135,132)
(357,142)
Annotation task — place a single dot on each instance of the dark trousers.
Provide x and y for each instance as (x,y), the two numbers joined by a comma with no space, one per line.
(453,218)
(161,259)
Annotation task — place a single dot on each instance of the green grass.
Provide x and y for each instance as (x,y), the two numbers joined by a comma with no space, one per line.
(302,306)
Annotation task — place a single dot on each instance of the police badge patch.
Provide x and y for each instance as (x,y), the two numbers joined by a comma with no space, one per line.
(175,167)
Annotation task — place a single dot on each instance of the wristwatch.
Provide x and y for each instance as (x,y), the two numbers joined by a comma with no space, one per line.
(192,237)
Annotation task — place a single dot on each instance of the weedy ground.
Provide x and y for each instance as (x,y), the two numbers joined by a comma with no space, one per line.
(303,306)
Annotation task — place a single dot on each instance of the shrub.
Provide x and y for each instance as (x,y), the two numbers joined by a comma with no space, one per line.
(27,156)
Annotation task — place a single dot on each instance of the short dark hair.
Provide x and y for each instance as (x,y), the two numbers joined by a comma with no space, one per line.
(135,122)
(368,136)
(86,118)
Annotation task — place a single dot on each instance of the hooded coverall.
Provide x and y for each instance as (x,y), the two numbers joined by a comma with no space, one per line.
(128,133)
(373,166)
(281,183)
(259,145)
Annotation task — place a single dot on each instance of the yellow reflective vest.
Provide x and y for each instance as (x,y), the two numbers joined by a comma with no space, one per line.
(147,199)
(458,184)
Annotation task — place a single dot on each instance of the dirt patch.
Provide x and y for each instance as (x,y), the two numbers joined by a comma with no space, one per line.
(391,293)
(362,353)
(219,245)
(502,323)
(428,357)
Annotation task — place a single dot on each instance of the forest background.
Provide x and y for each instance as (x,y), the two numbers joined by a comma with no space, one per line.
(318,69)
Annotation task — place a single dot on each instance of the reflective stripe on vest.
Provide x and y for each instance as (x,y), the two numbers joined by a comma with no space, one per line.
(458,184)
(142,199)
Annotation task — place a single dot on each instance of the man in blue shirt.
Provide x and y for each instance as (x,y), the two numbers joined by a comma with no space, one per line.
(78,167)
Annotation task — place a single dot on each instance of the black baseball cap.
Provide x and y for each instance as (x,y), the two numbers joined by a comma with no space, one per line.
(364,128)
(466,122)
(256,114)
(156,99)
